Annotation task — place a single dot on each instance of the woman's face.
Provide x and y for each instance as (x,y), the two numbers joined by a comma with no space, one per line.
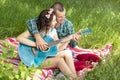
(53,23)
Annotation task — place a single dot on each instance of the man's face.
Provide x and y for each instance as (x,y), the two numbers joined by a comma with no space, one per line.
(60,16)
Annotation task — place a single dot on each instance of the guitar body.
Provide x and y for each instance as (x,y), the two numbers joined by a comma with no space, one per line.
(30,59)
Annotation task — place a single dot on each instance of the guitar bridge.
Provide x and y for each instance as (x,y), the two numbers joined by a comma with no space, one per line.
(33,51)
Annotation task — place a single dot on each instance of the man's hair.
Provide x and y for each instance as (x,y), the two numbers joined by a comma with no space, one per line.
(58,6)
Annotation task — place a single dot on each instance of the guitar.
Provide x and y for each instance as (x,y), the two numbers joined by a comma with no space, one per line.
(31,56)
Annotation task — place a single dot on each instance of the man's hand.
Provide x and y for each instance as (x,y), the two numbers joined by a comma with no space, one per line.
(40,43)
(76,37)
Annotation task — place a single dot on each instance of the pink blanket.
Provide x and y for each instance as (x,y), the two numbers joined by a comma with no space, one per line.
(80,59)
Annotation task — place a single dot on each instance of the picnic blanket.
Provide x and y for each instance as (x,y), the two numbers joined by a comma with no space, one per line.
(82,59)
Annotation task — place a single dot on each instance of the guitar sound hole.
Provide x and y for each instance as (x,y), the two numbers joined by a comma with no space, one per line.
(46,50)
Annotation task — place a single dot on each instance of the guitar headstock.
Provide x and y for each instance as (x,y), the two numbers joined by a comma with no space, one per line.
(85,31)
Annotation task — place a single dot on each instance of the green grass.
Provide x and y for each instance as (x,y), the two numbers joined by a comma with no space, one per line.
(103,16)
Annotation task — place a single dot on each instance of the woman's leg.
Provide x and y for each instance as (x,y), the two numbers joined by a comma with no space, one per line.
(67,55)
(59,63)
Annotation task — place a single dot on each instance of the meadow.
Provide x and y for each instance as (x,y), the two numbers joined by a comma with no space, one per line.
(103,16)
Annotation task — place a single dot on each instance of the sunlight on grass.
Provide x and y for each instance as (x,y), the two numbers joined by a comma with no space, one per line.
(23,6)
(70,11)
(2,2)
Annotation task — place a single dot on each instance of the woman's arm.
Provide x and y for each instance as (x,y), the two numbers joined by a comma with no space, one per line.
(61,46)
(23,38)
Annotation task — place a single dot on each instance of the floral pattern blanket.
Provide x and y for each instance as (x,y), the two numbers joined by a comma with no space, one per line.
(47,74)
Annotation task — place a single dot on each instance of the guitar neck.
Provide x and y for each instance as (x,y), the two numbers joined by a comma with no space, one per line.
(54,43)
(60,40)
(67,38)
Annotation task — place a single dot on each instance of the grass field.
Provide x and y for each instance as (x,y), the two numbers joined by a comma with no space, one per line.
(103,16)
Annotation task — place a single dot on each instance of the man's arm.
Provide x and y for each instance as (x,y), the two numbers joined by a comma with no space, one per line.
(32,28)
(70,30)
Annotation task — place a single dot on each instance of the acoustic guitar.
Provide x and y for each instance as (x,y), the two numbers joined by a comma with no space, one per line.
(31,56)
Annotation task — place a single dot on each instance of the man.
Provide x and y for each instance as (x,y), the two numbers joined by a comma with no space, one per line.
(64,27)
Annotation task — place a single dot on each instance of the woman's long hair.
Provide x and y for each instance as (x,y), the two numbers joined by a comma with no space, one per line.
(44,20)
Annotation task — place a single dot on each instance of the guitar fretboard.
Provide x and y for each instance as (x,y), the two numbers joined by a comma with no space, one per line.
(60,40)
(82,32)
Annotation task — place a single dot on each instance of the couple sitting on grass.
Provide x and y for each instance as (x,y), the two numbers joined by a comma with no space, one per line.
(69,59)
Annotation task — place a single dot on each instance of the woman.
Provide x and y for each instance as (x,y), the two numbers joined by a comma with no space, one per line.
(62,60)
